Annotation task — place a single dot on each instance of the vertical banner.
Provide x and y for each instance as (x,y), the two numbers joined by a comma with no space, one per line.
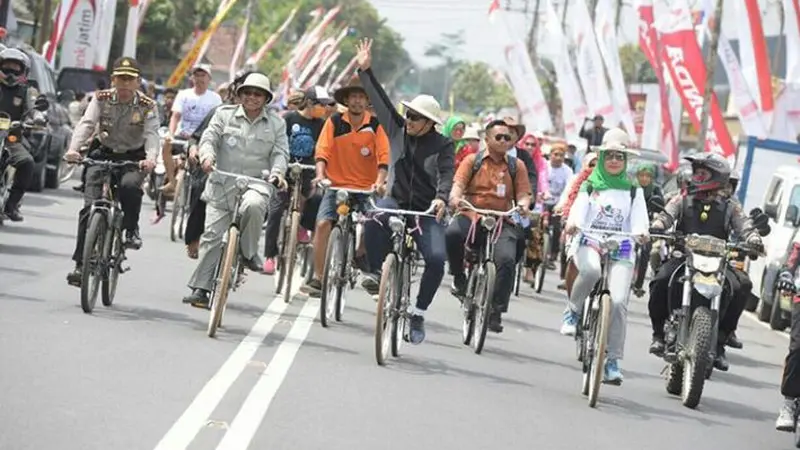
(238,52)
(754,57)
(259,55)
(63,13)
(107,10)
(649,43)
(746,107)
(573,106)
(132,28)
(684,59)
(606,32)
(791,10)
(79,43)
(590,64)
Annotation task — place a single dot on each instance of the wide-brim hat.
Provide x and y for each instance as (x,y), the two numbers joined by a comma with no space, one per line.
(617,140)
(519,128)
(426,106)
(471,133)
(341,94)
(258,81)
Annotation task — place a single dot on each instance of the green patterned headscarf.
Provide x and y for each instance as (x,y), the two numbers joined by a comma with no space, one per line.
(602,180)
(651,169)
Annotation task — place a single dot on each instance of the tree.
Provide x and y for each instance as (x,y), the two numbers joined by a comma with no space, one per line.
(635,67)
(475,89)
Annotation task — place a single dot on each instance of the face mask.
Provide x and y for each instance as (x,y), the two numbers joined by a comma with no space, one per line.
(317,111)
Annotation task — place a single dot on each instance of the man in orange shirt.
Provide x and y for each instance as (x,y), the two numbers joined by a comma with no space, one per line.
(352,152)
(493,187)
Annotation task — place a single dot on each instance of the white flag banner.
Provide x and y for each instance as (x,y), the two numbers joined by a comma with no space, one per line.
(522,76)
(79,43)
(792,31)
(754,57)
(606,32)
(573,106)
(746,106)
(590,64)
(105,32)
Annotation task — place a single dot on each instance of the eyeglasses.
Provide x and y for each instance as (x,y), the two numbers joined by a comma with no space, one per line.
(252,92)
(414,117)
(502,137)
(615,156)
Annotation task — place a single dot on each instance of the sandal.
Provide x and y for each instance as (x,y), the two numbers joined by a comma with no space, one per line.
(192,250)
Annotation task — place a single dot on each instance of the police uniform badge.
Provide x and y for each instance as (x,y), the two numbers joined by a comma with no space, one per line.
(136,117)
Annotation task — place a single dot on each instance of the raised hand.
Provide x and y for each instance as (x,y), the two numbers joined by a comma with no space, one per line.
(364,53)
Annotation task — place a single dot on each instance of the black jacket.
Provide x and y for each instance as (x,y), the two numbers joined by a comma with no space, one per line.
(533,174)
(421,168)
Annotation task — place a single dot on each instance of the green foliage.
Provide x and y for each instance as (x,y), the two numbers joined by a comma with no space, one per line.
(635,67)
(475,89)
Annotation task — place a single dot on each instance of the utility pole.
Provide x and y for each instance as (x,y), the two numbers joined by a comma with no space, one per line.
(564,14)
(592,7)
(46,23)
(618,15)
(534,31)
(4,5)
(711,61)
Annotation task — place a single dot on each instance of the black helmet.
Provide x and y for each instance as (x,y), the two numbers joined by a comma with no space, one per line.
(714,163)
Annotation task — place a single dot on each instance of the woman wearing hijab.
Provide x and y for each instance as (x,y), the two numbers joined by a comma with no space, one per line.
(454,128)
(604,203)
(645,174)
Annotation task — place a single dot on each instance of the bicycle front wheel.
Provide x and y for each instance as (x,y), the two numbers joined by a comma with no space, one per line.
(541,269)
(115,252)
(484,306)
(384,316)
(94,258)
(222,287)
(290,256)
(331,285)
(600,341)
(176,219)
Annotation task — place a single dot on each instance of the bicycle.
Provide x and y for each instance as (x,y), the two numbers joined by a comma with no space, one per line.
(287,254)
(482,273)
(183,194)
(103,249)
(591,337)
(340,269)
(394,293)
(547,239)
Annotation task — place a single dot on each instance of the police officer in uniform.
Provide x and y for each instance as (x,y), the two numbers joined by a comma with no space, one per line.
(126,122)
(16,99)
(704,209)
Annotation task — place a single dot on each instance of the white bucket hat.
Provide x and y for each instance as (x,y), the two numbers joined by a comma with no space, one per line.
(615,139)
(471,132)
(258,81)
(426,106)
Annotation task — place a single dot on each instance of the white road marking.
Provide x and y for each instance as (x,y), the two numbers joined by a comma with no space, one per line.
(196,415)
(249,418)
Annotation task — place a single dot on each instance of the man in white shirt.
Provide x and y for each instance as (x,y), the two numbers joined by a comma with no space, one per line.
(189,109)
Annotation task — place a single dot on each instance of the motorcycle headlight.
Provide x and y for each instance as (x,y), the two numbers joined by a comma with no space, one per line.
(241,183)
(341,196)
(706,285)
(396,224)
(705,264)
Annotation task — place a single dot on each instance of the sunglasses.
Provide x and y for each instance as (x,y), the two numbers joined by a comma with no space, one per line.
(503,137)
(414,117)
(615,156)
(252,92)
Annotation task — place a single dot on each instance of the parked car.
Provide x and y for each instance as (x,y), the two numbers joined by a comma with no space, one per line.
(47,146)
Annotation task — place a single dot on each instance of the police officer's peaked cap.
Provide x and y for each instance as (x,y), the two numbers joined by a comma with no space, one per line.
(125,66)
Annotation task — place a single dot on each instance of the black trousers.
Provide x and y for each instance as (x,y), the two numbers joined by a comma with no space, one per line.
(640,270)
(790,383)
(129,192)
(505,255)
(20,159)
(663,300)
(556,237)
(195,223)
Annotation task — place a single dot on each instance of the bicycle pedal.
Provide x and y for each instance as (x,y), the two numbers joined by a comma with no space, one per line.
(123,269)
(670,358)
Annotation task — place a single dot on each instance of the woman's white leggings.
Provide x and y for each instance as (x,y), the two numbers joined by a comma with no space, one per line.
(587,260)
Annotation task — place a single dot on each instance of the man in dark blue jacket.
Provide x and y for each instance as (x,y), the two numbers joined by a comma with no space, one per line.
(420,176)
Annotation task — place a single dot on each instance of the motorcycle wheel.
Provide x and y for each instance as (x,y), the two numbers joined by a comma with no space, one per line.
(675,379)
(694,368)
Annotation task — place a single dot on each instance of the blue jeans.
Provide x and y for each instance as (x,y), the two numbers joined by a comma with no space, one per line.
(430,244)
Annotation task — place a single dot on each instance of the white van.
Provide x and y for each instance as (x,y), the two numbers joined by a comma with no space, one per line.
(782,205)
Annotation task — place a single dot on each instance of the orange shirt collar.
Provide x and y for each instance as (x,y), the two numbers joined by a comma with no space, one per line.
(346,117)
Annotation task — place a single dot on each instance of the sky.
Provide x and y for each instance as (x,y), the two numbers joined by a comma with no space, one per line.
(421,22)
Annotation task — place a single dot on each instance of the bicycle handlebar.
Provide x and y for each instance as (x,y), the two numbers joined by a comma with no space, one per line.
(606,232)
(249,178)
(326,184)
(88,162)
(402,212)
(300,166)
(487,212)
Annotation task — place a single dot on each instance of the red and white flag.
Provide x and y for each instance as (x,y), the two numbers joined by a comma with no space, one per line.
(754,57)
(681,54)
(79,41)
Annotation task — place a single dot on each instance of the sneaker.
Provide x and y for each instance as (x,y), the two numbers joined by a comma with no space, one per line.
(371,283)
(612,374)
(416,329)
(13,215)
(199,298)
(269,266)
(459,287)
(303,236)
(313,288)
(721,361)
(657,347)
(569,323)
(132,240)
(75,277)
(785,421)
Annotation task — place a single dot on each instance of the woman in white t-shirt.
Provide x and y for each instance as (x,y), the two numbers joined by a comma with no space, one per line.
(609,207)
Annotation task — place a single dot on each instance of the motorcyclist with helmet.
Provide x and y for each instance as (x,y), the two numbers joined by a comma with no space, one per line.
(703,209)
(17,98)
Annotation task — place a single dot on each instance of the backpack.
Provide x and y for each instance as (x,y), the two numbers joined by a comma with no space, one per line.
(512,170)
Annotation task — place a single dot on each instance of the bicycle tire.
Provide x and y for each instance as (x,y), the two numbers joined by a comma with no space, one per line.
(584,336)
(95,234)
(325,302)
(468,310)
(601,341)
(290,257)
(518,279)
(345,276)
(222,287)
(541,269)
(384,314)
(485,308)
(402,299)
(177,209)
(280,262)
(116,249)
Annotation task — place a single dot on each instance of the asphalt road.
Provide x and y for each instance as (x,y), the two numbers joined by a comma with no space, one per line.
(143,374)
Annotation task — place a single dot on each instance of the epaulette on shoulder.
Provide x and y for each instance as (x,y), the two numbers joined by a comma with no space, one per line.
(146,101)
(105,94)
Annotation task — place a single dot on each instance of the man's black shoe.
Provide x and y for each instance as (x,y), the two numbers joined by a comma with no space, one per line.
(198,298)
(721,361)
(657,347)
(459,285)
(495,324)
(132,240)
(734,342)
(13,215)
(78,188)
(75,277)
(416,329)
